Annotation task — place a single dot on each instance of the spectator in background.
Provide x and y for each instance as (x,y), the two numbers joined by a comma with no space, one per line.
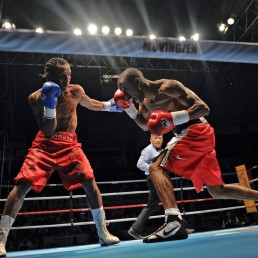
(147,155)
(230,220)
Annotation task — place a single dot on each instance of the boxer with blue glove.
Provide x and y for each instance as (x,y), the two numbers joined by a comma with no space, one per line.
(56,147)
(50,91)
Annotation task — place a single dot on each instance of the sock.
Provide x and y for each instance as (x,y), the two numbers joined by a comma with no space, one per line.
(95,212)
(99,217)
(5,226)
(6,222)
(173,211)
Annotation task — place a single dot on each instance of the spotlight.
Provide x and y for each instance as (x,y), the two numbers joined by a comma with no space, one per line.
(231,21)
(181,38)
(152,36)
(8,25)
(39,30)
(92,29)
(195,37)
(118,31)
(129,32)
(105,30)
(223,27)
(77,32)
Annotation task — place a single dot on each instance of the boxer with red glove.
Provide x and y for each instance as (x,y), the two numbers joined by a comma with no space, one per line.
(161,122)
(126,104)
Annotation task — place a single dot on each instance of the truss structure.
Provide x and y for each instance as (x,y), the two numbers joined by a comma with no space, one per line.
(106,62)
(245,28)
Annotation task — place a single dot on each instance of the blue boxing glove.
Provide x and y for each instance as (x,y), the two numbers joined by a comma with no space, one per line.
(49,93)
(111,106)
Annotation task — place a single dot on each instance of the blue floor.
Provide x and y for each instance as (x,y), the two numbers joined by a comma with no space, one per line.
(228,243)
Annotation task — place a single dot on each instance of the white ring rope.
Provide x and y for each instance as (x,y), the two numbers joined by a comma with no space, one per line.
(124,219)
(84,196)
(123,193)
(103,194)
(138,181)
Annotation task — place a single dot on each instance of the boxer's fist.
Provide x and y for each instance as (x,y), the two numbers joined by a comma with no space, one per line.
(121,100)
(49,93)
(160,122)
(111,106)
(125,104)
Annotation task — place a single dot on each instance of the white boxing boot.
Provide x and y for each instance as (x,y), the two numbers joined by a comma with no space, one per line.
(5,226)
(105,238)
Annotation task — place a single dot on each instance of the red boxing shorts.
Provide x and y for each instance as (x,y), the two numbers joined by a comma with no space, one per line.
(62,153)
(191,155)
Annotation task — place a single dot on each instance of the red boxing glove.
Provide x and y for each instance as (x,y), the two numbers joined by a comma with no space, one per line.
(121,100)
(125,104)
(160,122)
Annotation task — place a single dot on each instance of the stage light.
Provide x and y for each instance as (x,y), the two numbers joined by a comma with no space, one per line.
(39,30)
(223,27)
(77,32)
(118,31)
(105,30)
(195,37)
(181,38)
(152,36)
(92,29)
(129,32)
(231,21)
(7,25)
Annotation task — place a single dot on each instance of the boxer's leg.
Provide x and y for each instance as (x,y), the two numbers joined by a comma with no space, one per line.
(95,202)
(229,191)
(12,206)
(174,228)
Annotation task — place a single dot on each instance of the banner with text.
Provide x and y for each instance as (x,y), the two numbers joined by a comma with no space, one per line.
(139,47)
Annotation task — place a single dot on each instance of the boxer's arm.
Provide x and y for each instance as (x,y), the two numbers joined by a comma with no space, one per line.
(194,105)
(142,118)
(47,126)
(91,104)
(96,105)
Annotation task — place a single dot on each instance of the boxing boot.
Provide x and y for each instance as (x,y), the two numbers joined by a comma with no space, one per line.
(105,238)
(5,226)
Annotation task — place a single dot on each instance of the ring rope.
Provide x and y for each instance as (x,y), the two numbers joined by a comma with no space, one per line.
(83,195)
(123,219)
(107,207)
(138,181)
(103,194)
(121,206)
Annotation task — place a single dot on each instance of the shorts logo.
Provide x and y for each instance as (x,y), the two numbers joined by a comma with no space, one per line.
(171,229)
(165,123)
(178,157)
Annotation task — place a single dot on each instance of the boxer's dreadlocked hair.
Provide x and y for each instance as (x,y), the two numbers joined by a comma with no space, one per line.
(52,66)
